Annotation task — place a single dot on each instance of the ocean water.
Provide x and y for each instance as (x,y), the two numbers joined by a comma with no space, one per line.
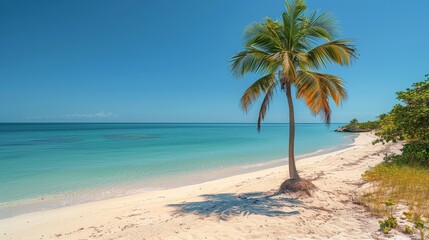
(55,164)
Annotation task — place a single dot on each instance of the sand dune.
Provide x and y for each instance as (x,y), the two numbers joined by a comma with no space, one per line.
(240,207)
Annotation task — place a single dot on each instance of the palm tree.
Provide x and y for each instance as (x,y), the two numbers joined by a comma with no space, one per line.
(288,54)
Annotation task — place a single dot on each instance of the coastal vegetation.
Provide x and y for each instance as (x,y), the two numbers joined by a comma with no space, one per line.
(409,122)
(355,126)
(404,177)
(288,53)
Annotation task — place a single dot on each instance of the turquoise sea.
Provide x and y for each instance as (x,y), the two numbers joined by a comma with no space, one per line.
(46,165)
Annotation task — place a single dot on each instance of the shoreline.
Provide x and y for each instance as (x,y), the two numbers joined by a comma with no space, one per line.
(166,213)
(73,198)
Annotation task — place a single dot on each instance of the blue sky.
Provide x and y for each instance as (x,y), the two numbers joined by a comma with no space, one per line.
(167,61)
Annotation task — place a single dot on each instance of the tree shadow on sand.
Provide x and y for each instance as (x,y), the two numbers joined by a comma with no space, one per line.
(227,205)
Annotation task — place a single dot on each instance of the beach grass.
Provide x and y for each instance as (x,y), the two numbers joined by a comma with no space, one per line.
(403,184)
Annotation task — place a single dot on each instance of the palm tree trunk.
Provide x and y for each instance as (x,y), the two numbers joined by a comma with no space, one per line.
(293,173)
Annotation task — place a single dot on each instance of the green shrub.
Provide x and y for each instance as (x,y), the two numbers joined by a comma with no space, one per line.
(420,225)
(408,229)
(413,154)
(408,121)
(388,224)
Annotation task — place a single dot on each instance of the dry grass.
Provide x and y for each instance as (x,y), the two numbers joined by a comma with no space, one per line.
(404,184)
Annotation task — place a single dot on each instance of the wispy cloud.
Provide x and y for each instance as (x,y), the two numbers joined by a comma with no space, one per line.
(76,116)
(100,114)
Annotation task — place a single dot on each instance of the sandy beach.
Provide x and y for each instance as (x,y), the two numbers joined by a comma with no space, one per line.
(245,206)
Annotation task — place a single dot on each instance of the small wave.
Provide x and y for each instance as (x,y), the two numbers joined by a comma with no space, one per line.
(43,141)
(131,136)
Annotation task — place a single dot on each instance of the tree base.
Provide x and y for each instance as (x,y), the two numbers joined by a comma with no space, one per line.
(297,185)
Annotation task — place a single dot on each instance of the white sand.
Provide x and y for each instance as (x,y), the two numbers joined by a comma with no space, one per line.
(238,207)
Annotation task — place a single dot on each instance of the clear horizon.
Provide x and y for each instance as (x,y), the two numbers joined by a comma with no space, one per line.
(162,61)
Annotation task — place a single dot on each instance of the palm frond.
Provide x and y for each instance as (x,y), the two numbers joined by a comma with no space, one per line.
(322,26)
(341,52)
(252,93)
(288,66)
(264,36)
(265,105)
(291,21)
(250,60)
(316,89)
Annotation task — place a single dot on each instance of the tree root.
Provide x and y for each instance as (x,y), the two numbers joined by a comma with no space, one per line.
(297,185)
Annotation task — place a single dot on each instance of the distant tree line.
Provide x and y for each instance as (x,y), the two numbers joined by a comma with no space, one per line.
(354,125)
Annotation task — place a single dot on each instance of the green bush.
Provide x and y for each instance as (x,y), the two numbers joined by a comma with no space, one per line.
(408,229)
(388,224)
(409,122)
(413,154)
